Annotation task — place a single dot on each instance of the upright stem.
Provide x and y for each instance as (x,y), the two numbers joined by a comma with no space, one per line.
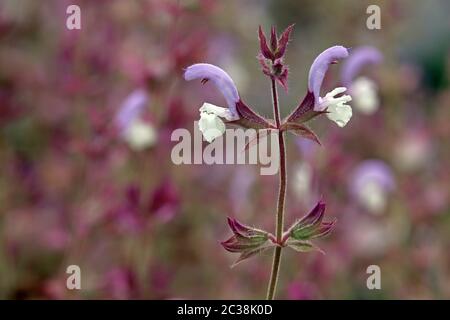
(281,198)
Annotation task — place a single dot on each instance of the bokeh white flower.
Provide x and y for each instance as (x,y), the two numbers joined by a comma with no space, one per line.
(136,132)
(365,95)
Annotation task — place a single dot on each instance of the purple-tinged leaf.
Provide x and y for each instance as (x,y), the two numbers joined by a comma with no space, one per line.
(253,141)
(235,228)
(263,62)
(241,244)
(243,230)
(324,229)
(283,79)
(306,227)
(315,215)
(304,107)
(309,115)
(310,227)
(249,118)
(246,240)
(301,131)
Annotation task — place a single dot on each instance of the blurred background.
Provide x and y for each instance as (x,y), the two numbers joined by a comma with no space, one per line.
(74,189)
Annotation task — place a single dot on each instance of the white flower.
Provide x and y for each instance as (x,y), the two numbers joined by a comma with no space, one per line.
(365,97)
(338,110)
(140,135)
(210,123)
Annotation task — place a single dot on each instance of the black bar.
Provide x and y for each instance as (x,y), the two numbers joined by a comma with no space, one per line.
(213,309)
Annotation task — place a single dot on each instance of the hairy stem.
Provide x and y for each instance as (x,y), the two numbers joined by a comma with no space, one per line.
(281,198)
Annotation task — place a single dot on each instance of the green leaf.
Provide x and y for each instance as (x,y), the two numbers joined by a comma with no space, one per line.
(303,246)
(304,233)
(250,253)
(301,130)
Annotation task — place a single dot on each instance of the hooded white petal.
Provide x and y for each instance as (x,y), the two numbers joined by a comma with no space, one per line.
(218,111)
(211,126)
(210,123)
(340,114)
(338,110)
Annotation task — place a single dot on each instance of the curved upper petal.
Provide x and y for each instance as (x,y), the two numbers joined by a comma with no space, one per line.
(358,58)
(320,67)
(221,80)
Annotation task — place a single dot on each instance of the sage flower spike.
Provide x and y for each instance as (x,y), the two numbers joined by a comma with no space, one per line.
(221,80)
(336,107)
(211,125)
(212,117)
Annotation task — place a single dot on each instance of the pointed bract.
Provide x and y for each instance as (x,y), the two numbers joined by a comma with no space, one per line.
(283,79)
(303,108)
(324,229)
(273,39)
(249,118)
(283,42)
(315,215)
(265,50)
